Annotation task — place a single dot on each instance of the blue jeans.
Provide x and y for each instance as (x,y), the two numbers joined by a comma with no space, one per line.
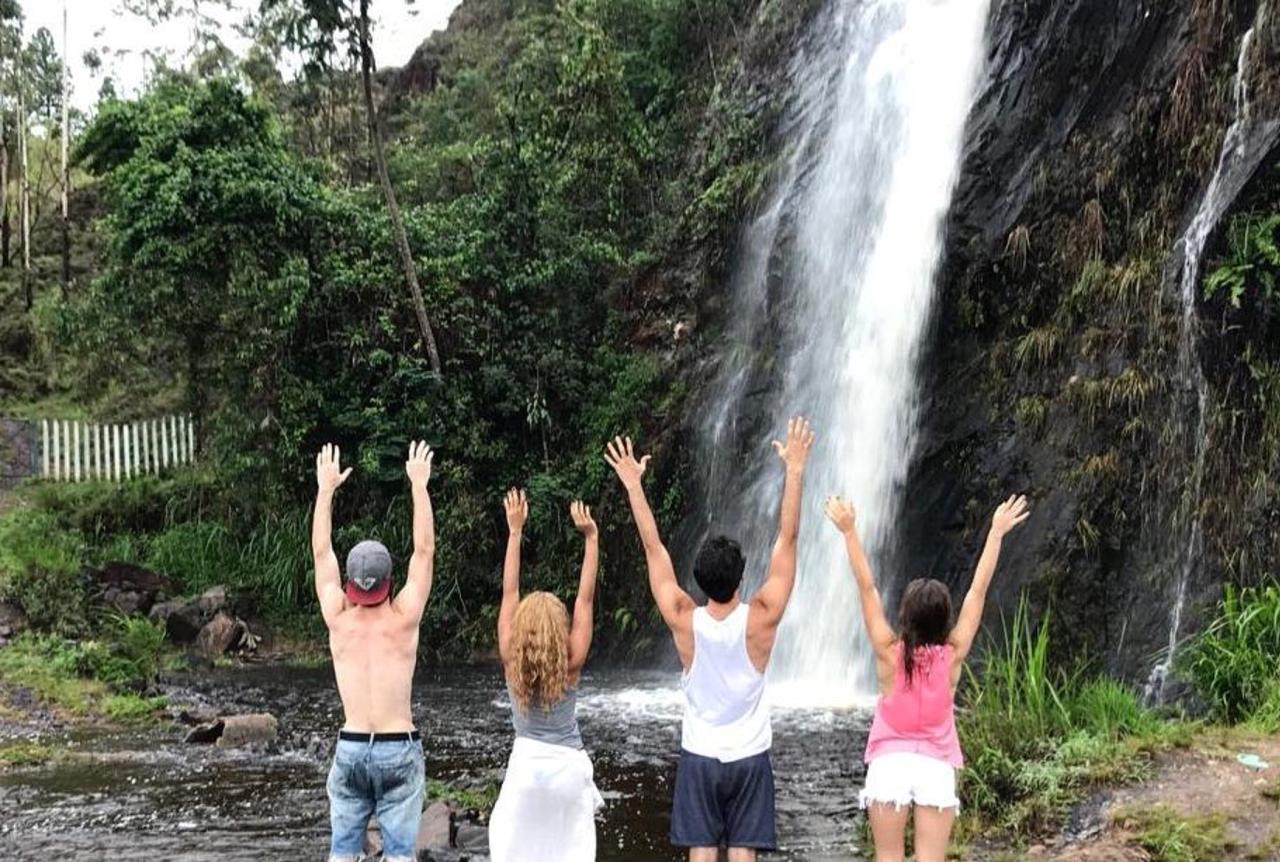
(383,778)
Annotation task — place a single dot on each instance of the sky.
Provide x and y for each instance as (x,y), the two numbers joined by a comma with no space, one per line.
(121,39)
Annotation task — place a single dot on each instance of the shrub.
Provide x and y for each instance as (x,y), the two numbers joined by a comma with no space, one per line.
(39,570)
(1232,663)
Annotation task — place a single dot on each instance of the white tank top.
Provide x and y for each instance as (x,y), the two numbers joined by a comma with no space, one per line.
(725,715)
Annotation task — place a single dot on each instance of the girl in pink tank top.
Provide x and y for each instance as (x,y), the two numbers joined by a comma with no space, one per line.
(912,750)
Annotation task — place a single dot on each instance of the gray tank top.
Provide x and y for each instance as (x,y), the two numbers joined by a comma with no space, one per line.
(555,726)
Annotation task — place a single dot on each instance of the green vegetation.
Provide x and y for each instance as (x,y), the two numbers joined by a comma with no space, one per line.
(1169,837)
(1038,738)
(83,678)
(478,799)
(1233,664)
(244,270)
(23,753)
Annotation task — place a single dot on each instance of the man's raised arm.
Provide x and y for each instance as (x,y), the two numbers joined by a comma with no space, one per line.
(674,604)
(412,599)
(775,592)
(329,476)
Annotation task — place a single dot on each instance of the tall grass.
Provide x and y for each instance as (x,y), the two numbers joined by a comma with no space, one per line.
(1037,736)
(1234,663)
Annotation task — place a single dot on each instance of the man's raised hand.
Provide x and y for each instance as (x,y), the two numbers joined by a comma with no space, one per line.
(516,505)
(841,513)
(329,475)
(621,457)
(1010,514)
(418,467)
(580,512)
(795,452)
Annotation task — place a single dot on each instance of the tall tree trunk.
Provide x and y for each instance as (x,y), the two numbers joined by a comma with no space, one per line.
(25,187)
(4,192)
(393,209)
(66,172)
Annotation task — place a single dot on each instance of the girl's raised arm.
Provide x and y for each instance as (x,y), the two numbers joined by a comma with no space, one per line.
(516,506)
(879,631)
(1008,515)
(583,625)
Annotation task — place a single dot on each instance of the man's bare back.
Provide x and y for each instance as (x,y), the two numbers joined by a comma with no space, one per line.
(374,639)
(374,653)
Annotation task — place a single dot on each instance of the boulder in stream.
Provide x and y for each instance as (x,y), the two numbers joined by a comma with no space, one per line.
(253,729)
(208,732)
(184,618)
(435,828)
(220,635)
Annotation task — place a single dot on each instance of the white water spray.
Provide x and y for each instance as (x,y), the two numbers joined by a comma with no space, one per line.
(839,268)
(1247,141)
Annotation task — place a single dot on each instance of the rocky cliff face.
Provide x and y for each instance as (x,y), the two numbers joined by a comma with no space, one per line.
(1054,366)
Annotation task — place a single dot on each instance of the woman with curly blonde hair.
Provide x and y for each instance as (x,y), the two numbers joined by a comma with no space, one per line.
(546,809)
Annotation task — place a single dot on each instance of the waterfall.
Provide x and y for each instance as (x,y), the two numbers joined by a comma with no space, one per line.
(1247,141)
(831,298)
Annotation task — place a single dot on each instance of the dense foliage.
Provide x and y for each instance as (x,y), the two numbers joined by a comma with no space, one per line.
(249,272)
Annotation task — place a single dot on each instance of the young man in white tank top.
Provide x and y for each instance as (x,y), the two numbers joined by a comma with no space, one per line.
(724,780)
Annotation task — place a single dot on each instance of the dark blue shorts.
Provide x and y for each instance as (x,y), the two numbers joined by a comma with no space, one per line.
(723,804)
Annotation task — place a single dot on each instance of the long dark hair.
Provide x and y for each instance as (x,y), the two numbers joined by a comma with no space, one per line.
(924,619)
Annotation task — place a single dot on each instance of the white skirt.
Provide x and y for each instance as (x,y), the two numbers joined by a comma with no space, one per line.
(546,810)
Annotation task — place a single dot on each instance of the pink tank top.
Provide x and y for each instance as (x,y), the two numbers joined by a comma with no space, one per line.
(920,719)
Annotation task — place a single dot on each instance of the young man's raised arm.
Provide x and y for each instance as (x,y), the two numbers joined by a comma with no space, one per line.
(412,598)
(879,632)
(516,507)
(1008,515)
(329,477)
(772,597)
(674,604)
(583,625)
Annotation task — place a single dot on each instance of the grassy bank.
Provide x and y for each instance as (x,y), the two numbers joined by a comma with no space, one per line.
(88,678)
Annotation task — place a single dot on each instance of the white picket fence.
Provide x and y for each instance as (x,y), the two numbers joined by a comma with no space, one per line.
(75,451)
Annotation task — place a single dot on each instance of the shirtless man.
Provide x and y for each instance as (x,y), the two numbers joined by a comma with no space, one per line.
(377,764)
(724,779)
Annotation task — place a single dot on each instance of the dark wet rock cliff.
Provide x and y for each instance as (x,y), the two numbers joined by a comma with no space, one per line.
(1053,366)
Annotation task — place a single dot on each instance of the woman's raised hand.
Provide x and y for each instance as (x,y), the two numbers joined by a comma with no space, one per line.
(516,505)
(580,512)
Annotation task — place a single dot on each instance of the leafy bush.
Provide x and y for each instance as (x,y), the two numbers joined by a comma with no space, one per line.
(39,570)
(1232,663)
(1252,263)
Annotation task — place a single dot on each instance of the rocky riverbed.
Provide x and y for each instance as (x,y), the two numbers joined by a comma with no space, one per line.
(142,793)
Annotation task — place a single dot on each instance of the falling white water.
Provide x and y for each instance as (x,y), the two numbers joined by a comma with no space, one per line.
(1247,141)
(837,275)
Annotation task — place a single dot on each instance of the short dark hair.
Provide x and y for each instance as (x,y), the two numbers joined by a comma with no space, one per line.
(718,568)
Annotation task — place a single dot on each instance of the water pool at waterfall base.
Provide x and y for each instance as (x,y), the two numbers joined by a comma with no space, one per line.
(135,794)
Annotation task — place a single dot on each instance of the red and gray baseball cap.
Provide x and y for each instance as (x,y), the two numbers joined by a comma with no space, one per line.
(368,573)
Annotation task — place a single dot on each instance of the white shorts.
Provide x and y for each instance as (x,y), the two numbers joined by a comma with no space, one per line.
(902,778)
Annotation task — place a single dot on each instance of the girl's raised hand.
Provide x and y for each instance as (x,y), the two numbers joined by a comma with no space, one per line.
(516,506)
(1010,514)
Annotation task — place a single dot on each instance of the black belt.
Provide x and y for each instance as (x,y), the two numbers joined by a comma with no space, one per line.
(403,736)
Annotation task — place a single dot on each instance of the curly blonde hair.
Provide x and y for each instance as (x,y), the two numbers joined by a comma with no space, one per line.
(539,672)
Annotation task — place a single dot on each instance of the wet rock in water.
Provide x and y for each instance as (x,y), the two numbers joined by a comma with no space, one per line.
(210,731)
(254,729)
(220,635)
(472,836)
(435,828)
(446,855)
